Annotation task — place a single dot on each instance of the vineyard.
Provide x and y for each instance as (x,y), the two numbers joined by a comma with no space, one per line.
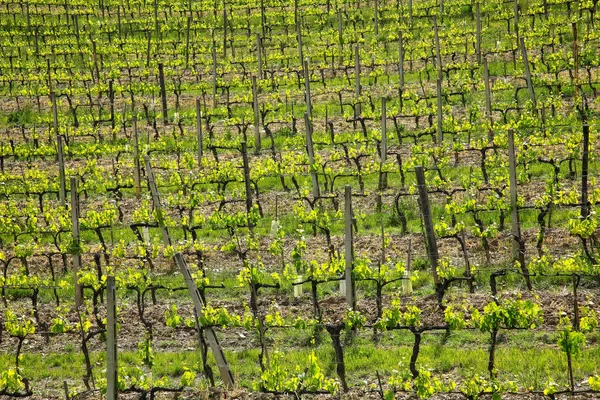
(375,199)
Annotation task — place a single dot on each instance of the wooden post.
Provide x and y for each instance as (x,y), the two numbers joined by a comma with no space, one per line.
(430,241)
(156,29)
(259,56)
(67,16)
(296,9)
(401,61)
(136,159)
(488,99)
(376,12)
(383,255)
(516,20)
(111,98)
(263,18)
(37,45)
(28,18)
(61,162)
(224,29)
(257,144)
(160,219)
(512,164)
(112,369)
(187,40)
(307,89)
(406,282)
(340,37)
(247,181)
(311,157)
(76,243)
(383,154)
(585,212)
(440,132)
(410,12)
(528,74)
(77,34)
(61,172)
(575,59)
(357,87)
(214,73)
(95,59)
(50,72)
(478,31)
(348,247)
(148,45)
(299,36)
(163,93)
(211,337)
(199,132)
(438,56)
(518,244)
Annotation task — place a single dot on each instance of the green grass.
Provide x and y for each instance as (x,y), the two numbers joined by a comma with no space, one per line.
(528,358)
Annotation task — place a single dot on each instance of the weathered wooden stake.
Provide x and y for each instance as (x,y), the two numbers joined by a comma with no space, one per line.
(406,282)
(357,87)
(478,31)
(585,211)
(518,244)
(136,159)
(440,132)
(257,143)
(307,95)
(263,18)
(512,165)
(430,241)
(311,157)
(111,98)
(156,28)
(211,337)
(516,20)
(376,12)
(528,74)
(401,61)
(247,181)
(199,132)
(76,243)
(488,99)
(214,73)
(438,56)
(259,56)
(299,36)
(575,59)
(163,93)
(112,377)
(148,47)
(160,218)
(59,151)
(383,153)
(349,247)
(224,29)
(187,40)
(340,37)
